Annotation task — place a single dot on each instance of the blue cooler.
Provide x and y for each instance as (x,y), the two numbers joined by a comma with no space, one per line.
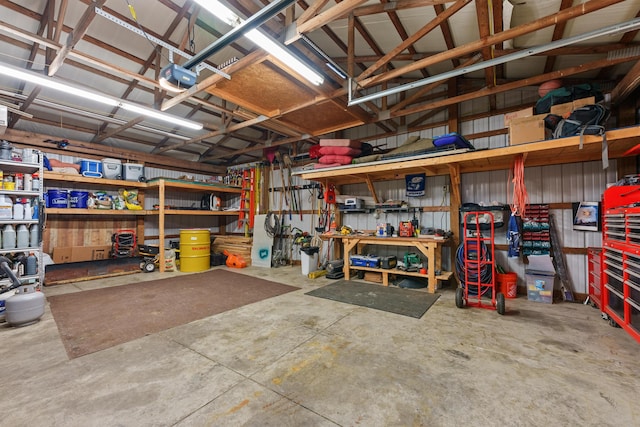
(91,168)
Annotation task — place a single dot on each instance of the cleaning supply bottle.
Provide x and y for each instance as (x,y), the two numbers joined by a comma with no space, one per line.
(8,237)
(22,236)
(28,210)
(18,209)
(6,207)
(33,236)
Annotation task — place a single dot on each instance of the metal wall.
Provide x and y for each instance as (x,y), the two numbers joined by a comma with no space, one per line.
(568,183)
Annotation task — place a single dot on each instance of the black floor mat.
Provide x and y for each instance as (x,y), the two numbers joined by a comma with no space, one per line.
(407,302)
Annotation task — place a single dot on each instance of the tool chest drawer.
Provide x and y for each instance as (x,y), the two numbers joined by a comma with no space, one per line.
(594,256)
(620,295)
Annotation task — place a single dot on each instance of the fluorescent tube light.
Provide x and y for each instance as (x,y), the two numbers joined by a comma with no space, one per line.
(150,112)
(62,87)
(48,82)
(283,55)
(263,41)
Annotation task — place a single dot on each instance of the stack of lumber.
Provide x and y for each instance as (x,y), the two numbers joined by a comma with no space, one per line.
(237,245)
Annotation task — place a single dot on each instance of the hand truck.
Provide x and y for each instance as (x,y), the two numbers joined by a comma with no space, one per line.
(477,272)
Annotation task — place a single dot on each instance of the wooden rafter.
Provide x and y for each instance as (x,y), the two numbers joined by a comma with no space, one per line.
(558,32)
(76,35)
(518,84)
(565,15)
(484,15)
(426,29)
(323,18)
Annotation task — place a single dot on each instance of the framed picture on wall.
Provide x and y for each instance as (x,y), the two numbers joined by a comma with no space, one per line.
(586,216)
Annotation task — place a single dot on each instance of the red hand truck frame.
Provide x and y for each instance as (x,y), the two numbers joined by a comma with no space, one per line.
(478,255)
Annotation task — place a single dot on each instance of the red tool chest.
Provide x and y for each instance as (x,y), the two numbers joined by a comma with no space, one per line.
(621,258)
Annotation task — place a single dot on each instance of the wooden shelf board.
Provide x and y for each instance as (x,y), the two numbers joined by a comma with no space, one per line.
(194,186)
(56,176)
(77,211)
(542,153)
(444,275)
(199,213)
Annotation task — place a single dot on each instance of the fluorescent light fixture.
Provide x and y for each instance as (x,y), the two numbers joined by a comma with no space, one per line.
(263,41)
(47,82)
(37,79)
(283,55)
(624,27)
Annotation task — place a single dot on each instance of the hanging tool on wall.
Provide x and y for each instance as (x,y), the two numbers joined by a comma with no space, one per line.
(294,197)
(285,189)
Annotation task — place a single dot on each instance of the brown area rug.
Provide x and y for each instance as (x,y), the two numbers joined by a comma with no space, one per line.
(89,321)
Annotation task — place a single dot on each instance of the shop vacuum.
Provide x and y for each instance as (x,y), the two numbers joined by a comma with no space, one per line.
(27,305)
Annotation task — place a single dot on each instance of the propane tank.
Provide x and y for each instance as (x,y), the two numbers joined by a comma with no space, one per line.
(25,307)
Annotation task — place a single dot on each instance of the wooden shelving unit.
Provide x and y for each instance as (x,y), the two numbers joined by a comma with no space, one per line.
(542,153)
(164,186)
(78,222)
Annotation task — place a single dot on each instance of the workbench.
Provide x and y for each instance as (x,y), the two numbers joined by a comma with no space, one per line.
(429,246)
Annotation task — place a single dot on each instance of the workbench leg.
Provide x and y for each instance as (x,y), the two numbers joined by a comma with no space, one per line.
(431,268)
(346,269)
(385,278)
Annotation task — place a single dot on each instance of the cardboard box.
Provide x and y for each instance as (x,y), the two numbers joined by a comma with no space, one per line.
(61,255)
(567,108)
(508,117)
(527,129)
(80,253)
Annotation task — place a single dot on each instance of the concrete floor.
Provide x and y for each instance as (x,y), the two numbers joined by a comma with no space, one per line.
(297,360)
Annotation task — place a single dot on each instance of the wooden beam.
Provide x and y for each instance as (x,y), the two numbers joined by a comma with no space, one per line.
(397,5)
(372,189)
(91,150)
(426,29)
(626,86)
(323,19)
(515,85)
(558,34)
(311,11)
(76,35)
(565,15)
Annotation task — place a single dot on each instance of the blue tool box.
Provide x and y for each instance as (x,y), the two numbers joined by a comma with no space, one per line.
(365,261)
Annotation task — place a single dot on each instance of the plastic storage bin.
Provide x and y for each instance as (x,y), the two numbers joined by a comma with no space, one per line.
(540,285)
(500,214)
(112,168)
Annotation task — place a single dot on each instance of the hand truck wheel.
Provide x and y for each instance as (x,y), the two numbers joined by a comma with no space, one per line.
(149,267)
(459,297)
(500,303)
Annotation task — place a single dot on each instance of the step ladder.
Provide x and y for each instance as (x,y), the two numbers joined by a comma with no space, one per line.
(247,199)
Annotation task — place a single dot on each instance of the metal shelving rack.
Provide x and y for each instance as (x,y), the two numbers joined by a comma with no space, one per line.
(10,166)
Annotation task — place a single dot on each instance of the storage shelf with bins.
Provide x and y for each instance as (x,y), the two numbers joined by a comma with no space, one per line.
(621,259)
(165,187)
(34,197)
(82,226)
(111,219)
(100,183)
